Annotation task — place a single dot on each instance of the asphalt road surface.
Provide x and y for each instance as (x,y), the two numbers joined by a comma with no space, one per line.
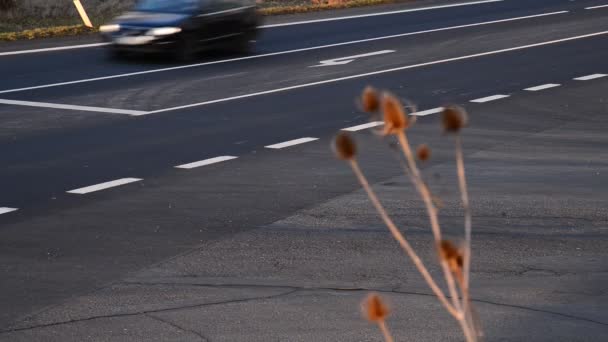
(143,200)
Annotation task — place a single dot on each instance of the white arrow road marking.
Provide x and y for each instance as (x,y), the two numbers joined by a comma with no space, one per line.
(346,60)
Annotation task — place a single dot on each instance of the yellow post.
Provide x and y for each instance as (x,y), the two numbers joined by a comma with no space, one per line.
(83,14)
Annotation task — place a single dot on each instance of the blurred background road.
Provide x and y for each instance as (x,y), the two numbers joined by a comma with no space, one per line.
(164,201)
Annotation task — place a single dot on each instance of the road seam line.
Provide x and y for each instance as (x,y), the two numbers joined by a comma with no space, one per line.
(489,98)
(453,59)
(104,186)
(363,126)
(205,162)
(428,111)
(72,107)
(290,143)
(381,13)
(543,87)
(6,210)
(590,77)
(137,73)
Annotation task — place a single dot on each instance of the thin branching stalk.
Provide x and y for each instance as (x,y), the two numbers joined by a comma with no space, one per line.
(385,332)
(403,242)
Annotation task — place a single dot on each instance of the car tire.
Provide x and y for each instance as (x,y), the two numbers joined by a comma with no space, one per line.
(243,43)
(186,49)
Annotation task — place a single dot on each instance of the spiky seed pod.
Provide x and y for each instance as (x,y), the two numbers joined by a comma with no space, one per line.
(374,308)
(423,152)
(395,118)
(370,100)
(454,118)
(453,256)
(344,146)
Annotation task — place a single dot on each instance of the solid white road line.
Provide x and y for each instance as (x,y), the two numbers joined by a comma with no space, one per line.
(428,111)
(5,210)
(364,126)
(72,107)
(595,7)
(205,162)
(489,98)
(380,13)
(58,48)
(543,87)
(103,186)
(103,78)
(291,143)
(447,60)
(590,77)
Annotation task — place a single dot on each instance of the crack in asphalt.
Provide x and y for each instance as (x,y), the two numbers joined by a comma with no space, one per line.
(174,325)
(290,290)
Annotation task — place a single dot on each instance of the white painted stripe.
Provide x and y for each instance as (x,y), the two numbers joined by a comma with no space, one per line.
(490,98)
(276,53)
(595,7)
(590,77)
(5,210)
(428,111)
(58,48)
(543,87)
(103,186)
(291,143)
(72,107)
(381,13)
(205,162)
(364,126)
(489,53)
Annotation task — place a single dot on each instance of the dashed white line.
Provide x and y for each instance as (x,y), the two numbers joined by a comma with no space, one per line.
(205,162)
(590,77)
(6,210)
(364,126)
(103,186)
(595,7)
(428,111)
(72,107)
(291,143)
(543,87)
(102,78)
(58,48)
(489,98)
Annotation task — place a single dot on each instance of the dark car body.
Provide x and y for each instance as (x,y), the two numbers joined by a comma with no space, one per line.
(183,27)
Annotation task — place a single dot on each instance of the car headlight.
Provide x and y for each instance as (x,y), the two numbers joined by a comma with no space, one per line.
(163,31)
(109,28)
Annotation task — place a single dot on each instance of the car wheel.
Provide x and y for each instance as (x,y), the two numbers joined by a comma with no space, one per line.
(243,42)
(186,49)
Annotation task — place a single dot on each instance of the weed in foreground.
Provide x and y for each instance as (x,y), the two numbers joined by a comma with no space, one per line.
(454,261)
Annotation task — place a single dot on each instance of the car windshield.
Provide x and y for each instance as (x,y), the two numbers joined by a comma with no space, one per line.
(167,6)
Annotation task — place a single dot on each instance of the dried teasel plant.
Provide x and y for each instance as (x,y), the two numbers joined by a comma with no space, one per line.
(454,261)
(376,311)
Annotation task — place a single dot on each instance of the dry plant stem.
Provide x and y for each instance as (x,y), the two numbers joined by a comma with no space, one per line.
(385,332)
(403,242)
(462,182)
(451,286)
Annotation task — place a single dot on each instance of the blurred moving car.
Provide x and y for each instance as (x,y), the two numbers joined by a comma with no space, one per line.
(183,27)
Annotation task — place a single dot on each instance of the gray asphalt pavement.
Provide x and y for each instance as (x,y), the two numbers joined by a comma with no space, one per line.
(280,244)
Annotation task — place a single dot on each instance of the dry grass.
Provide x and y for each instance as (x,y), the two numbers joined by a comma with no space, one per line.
(454,261)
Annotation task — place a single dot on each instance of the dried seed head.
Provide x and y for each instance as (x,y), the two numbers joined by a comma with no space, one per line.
(395,118)
(369,100)
(454,118)
(453,256)
(423,152)
(374,308)
(344,146)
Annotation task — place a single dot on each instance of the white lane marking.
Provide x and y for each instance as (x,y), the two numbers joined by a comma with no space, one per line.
(58,48)
(543,87)
(278,53)
(72,107)
(441,61)
(205,162)
(364,126)
(346,60)
(103,186)
(590,77)
(489,98)
(381,13)
(291,143)
(428,111)
(5,210)
(595,7)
